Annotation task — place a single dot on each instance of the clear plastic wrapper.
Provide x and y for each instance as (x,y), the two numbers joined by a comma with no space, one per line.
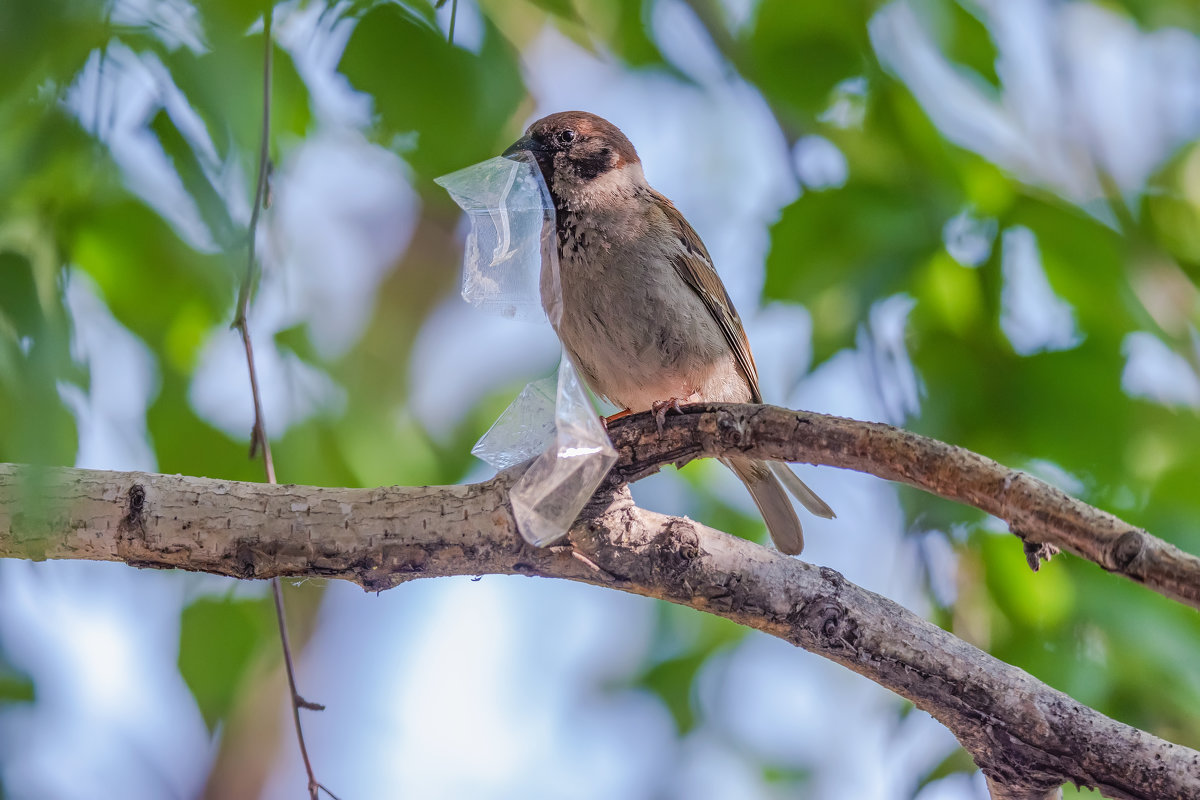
(552,492)
(510,249)
(524,430)
(510,267)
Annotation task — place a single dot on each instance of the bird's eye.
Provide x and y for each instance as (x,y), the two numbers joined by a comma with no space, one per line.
(566,136)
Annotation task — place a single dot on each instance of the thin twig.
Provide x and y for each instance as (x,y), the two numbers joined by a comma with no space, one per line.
(453,16)
(258,434)
(298,702)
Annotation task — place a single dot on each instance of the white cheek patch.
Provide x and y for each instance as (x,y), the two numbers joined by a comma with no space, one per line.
(602,190)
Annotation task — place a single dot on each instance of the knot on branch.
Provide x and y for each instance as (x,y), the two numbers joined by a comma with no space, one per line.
(678,546)
(134,520)
(825,620)
(249,554)
(832,576)
(730,428)
(1127,549)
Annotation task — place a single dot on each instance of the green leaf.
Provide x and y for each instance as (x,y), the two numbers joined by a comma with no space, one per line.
(195,179)
(838,251)
(798,55)
(410,71)
(631,38)
(672,681)
(35,359)
(958,761)
(19,301)
(229,19)
(562,9)
(969,42)
(684,642)
(149,277)
(47,41)
(15,685)
(224,86)
(219,642)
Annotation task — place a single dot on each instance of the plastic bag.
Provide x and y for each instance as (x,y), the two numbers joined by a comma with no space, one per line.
(510,248)
(510,267)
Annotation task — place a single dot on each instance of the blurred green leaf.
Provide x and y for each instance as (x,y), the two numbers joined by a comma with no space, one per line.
(296,340)
(685,640)
(47,41)
(35,426)
(195,180)
(961,32)
(855,245)
(18,294)
(785,777)
(219,641)
(15,685)
(1039,600)
(1154,14)
(147,274)
(631,37)
(411,71)
(1086,263)
(798,56)
(228,19)
(559,8)
(959,761)
(672,681)
(225,88)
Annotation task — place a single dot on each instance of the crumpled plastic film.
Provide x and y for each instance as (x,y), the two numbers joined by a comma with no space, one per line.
(552,492)
(524,430)
(510,267)
(510,263)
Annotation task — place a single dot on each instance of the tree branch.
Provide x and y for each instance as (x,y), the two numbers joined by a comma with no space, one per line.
(1027,737)
(1035,511)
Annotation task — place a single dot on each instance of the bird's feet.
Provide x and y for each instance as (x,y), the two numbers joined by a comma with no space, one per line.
(660,409)
(609,420)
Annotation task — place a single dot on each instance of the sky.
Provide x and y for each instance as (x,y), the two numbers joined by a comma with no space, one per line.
(514,687)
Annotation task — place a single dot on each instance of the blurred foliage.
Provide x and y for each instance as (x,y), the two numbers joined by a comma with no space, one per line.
(683,643)
(69,203)
(219,641)
(15,686)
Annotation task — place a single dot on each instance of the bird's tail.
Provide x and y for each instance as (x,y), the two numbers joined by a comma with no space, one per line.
(773,503)
(799,489)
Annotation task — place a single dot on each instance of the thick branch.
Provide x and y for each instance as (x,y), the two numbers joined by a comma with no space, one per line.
(1034,510)
(1027,737)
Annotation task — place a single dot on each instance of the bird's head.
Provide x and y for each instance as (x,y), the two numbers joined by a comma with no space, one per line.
(585,159)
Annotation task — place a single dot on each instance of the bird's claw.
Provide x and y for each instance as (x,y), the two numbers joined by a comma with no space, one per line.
(660,410)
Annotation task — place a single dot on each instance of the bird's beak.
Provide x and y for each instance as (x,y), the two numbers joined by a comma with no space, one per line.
(525,144)
(527,149)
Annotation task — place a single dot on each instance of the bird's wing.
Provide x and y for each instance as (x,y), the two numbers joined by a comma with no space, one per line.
(695,266)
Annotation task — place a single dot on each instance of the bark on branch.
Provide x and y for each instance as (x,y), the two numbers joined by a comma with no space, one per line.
(1028,738)
(1035,511)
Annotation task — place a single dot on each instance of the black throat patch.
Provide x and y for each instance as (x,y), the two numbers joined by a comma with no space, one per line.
(592,164)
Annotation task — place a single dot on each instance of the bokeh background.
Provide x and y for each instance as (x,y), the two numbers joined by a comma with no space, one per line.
(979,219)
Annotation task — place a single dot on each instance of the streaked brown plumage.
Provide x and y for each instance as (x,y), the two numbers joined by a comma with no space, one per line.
(645,316)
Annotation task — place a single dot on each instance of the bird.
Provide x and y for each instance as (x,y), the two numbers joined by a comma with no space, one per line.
(642,312)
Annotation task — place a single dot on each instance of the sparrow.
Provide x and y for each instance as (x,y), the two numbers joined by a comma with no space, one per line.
(643,314)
